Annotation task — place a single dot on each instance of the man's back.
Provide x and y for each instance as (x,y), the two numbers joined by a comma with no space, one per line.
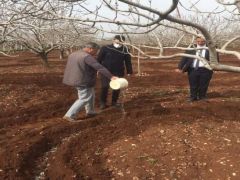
(75,68)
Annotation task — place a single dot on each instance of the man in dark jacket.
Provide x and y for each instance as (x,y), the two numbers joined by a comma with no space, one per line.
(80,73)
(198,75)
(115,58)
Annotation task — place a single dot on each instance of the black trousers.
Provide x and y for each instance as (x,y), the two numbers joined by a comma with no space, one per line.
(199,81)
(104,92)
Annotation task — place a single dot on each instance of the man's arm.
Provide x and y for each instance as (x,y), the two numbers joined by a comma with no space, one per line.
(182,63)
(89,60)
(185,62)
(128,63)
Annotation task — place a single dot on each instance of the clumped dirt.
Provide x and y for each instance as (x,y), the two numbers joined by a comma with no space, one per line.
(156,135)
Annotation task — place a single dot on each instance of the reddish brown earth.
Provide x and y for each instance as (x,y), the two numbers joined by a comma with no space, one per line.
(158,135)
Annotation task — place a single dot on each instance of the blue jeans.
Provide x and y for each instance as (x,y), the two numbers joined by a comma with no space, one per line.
(86,97)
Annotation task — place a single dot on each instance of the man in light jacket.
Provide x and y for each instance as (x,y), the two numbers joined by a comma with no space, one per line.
(80,72)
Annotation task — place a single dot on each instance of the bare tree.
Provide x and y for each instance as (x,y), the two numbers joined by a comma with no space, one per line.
(135,17)
(41,32)
(6,28)
(233,2)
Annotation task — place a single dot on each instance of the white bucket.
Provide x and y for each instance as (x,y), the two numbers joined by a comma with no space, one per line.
(119,83)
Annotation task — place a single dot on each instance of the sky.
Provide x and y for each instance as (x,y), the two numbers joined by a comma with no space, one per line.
(162,5)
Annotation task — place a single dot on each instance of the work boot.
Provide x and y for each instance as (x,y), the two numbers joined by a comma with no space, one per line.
(69,119)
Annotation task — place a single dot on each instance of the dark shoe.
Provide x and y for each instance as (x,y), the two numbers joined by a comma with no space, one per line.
(90,115)
(117,105)
(103,106)
(191,99)
(203,99)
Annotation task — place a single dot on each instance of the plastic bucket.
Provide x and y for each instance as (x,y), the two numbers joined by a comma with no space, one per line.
(119,83)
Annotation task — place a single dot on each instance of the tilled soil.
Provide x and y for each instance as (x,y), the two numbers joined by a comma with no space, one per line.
(157,134)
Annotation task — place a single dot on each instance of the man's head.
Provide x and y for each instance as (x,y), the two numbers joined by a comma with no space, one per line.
(117,40)
(200,40)
(91,48)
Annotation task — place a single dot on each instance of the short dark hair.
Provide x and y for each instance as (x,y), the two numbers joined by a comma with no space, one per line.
(92,45)
(121,38)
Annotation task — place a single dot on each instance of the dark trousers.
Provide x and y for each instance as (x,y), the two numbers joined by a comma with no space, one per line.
(199,81)
(104,92)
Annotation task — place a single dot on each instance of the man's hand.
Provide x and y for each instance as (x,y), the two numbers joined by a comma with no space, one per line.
(114,77)
(177,70)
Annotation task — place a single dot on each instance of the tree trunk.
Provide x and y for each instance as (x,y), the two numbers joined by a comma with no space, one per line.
(44,57)
(139,70)
(61,54)
(238,6)
(67,52)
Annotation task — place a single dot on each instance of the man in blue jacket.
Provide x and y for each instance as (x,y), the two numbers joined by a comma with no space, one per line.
(80,72)
(115,58)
